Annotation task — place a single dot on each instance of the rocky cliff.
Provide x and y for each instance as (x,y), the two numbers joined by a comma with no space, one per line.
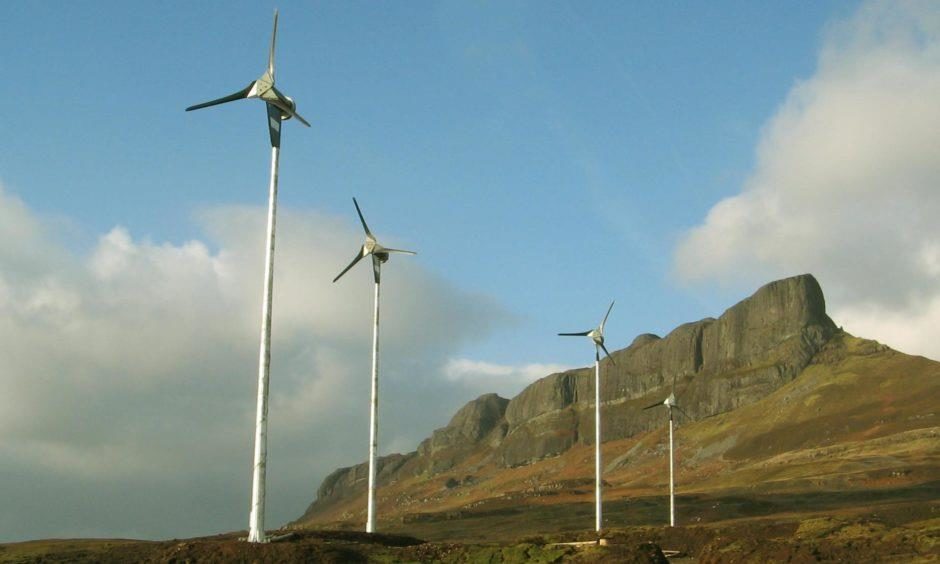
(716,365)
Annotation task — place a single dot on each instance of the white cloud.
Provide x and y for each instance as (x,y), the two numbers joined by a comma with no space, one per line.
(504,379)
(845,184)
(129,373)
(915,330)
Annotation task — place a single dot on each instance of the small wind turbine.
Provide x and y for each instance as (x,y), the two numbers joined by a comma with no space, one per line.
(597,335)
(379,256)
(280,107)
(670,404)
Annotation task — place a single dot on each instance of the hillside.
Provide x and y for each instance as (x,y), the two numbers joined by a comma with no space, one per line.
(786,411)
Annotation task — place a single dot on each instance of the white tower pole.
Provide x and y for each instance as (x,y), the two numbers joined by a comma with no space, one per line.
(597,442)
(374,412)
(256,517)
(672,485)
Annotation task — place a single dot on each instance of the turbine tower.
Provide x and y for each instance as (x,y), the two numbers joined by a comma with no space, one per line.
(379,255)
(279,108)
(597,335)
(670,404)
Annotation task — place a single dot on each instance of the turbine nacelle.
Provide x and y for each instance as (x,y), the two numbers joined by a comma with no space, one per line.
(264,89)
(292,107)
(596,335)
(371,247)
(669,403)
(380,255)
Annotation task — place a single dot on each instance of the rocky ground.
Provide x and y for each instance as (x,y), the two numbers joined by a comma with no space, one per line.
(893,526)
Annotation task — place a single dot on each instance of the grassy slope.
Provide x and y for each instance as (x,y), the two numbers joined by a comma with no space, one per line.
(860,416)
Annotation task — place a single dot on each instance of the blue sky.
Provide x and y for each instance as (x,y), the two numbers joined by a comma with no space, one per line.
(542,158)
(546,155)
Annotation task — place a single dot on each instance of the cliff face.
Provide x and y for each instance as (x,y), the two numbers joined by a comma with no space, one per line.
(752,349)
(755,347)
(479,423)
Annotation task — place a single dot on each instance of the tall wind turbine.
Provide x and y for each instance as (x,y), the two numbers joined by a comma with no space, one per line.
(280,107)
(379,255)
(597,335)
(670,404)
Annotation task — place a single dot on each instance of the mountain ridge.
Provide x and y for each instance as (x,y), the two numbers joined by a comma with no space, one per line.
(754,349)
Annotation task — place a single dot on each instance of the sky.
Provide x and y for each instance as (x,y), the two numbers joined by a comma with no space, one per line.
(543,159)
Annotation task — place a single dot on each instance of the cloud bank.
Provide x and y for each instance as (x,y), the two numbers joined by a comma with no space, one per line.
(505,379)
(846,183)
(129,372)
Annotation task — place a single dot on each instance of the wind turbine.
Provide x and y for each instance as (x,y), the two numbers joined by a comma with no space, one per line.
(379,255)
(597,335)
(280,107)
(670,404)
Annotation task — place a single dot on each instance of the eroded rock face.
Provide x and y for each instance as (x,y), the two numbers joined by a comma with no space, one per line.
(471,423)
(756,346)
(548,394)
(354,480)
(751,331)
(481,421)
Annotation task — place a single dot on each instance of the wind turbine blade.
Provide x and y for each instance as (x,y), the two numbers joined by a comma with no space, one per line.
(673,383)
(359,256)
(608,354)
(402,251)
(230,98)
(300,119)
(271,52)
(682,411)
(274,123)
(652,406)
(584,334)
(606,316)
(362,219)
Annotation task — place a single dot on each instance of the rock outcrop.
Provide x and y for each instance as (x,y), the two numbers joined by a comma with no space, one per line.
(755,347)
(352,480)
(471,423)
(716,365)
(481,420)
